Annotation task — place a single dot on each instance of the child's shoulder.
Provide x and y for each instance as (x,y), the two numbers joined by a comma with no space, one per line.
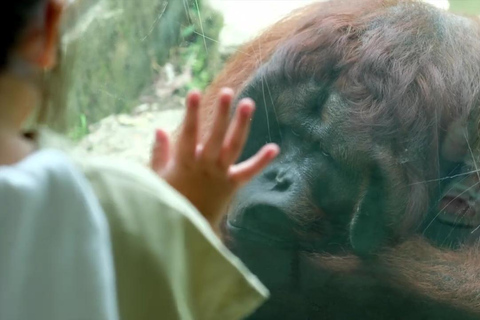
(118,181)
(126,174)
(129,178)
(44,173)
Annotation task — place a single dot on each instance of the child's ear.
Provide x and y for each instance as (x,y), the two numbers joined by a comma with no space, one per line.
(39,45)
(53,17)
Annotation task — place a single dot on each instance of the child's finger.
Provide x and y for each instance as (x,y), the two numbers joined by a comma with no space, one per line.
(237,133)
(198,150)
(214,142)
(160,151)
(187,139)
(245,171)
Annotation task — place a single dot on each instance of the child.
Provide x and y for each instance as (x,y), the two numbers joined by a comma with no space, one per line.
(56,257)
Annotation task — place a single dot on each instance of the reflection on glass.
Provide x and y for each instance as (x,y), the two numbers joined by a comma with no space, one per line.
(371,211)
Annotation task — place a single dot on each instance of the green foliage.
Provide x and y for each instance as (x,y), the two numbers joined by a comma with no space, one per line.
(200,46)
(80,129)
(188,31)
(120,43)
(470,7)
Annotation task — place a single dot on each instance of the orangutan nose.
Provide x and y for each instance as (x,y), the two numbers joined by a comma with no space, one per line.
(282,179)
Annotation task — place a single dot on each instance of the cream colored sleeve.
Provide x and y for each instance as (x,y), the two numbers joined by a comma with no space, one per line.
(169,263)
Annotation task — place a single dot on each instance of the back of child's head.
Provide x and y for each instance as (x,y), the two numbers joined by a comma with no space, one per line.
(15,15)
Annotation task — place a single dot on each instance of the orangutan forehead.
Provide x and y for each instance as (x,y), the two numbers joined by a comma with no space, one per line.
(270,88)
(404,33)
(306,103)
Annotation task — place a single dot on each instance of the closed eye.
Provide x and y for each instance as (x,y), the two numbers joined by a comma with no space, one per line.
(326,154)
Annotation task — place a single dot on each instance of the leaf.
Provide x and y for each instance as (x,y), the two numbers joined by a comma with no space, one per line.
(188,31)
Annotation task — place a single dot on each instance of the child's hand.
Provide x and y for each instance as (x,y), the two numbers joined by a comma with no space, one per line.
(206,174)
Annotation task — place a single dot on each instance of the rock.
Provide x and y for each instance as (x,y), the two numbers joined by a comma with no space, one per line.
(129,136)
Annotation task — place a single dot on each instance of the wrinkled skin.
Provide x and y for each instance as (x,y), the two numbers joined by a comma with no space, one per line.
(304,203)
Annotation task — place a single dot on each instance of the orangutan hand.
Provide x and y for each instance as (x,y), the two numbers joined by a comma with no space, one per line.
(207,174)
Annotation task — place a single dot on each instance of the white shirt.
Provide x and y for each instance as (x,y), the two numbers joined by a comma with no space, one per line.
(55,253)
(169,263)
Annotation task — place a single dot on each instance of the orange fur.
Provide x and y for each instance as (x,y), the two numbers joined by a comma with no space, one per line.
(450,277)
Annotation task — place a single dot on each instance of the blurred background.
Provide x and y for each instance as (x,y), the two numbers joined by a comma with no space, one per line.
(128,64)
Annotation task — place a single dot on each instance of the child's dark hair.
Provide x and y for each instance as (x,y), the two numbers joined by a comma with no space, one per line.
(14,15)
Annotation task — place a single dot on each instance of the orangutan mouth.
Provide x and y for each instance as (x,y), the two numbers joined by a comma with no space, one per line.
(457,211)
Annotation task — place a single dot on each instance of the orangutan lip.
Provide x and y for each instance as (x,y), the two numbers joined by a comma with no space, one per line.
(454,205)
(457,225)
(267,240)
(256,236)
(457,211)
